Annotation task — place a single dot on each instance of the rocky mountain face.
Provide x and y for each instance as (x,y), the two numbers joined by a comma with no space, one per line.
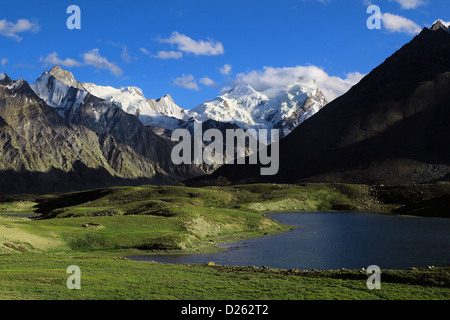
(75,103)
(43,152)
(391,128)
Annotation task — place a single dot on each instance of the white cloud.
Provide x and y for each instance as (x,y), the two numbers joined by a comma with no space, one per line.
(11,29)
(395,23)
(163,54)
(125,55)
(4,62)
(271,80)
(186,44)
(354,77)
(208,82)
(145,51)
(93,58)
(226,69)
(52,59)
(410,4)
(187,82)
(169,55)
(225,90)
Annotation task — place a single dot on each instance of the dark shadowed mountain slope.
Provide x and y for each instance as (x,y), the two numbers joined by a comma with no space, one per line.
(391,128)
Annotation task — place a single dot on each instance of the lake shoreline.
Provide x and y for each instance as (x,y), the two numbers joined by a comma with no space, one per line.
(412,221)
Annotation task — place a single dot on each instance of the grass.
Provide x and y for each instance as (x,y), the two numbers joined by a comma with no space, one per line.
(17,206)
(109,277)
(95,229)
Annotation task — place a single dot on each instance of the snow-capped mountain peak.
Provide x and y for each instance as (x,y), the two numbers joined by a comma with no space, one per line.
(235,106)
(251,109)
(65,77)
(57,94)
(129,99)
(168,107)
(241,90)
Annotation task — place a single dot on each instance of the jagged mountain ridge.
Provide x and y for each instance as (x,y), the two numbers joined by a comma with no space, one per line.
(162,112)
(242,106)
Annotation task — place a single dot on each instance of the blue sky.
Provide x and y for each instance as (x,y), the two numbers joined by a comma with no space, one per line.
(192,49)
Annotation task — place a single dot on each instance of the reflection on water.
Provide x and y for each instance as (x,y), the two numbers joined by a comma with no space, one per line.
(337,240)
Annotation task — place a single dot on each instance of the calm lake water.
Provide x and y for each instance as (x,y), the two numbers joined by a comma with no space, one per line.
(337,240)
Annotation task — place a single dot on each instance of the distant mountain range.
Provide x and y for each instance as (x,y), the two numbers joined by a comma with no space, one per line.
(59,134)
(242,106)
(393,127)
